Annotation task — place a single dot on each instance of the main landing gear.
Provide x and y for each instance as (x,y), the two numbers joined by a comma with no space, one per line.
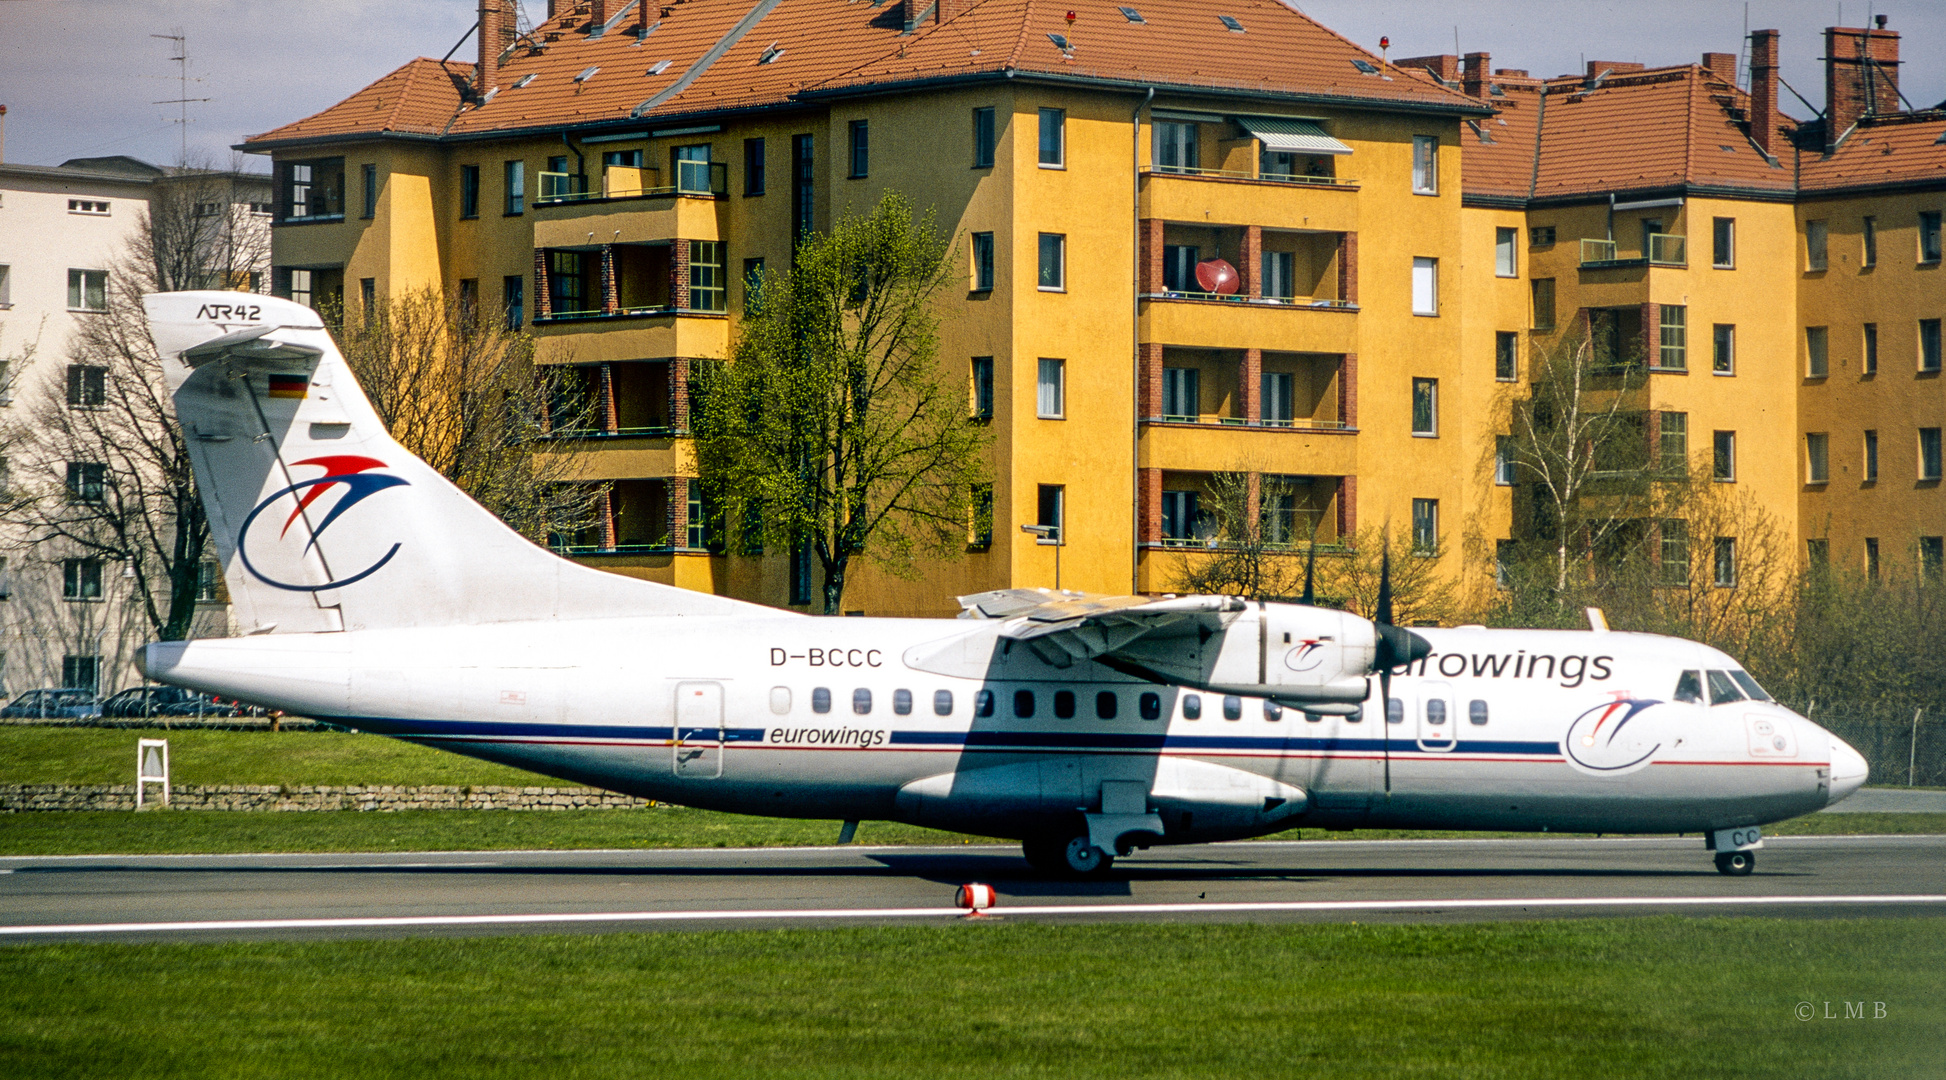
(1736,863)
(1066,854)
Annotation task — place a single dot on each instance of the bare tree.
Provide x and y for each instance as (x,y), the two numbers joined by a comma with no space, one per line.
(1256,538)
(460,389)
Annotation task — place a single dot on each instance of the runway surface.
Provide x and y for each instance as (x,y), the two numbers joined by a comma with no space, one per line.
(249,897)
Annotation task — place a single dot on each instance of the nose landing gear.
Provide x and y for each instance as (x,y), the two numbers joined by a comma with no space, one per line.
(1736,863)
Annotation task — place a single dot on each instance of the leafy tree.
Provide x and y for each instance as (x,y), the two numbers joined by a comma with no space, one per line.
(831,426)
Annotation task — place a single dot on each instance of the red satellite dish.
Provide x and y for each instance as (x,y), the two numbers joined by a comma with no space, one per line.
(1217,276)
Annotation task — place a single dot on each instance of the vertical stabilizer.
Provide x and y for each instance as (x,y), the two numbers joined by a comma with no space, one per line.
(321,520)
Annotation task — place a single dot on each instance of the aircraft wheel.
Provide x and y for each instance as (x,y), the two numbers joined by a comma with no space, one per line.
(1082,858)
(1735,863)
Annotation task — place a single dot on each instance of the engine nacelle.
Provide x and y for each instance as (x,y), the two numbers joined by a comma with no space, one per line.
(1293,654)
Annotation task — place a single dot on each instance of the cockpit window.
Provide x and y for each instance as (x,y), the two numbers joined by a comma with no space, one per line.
(1749,685)
(1690,687)
(1723,689)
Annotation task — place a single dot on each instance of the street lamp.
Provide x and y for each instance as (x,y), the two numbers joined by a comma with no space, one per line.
(1049,535)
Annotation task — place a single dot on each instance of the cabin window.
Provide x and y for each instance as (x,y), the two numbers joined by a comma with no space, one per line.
(821,700)
(1192,706)
(1394,711)
(1023,703)
(1107,704)
(942,703)
(1064,704)
(1436,711)
(983,703)
(1723,689)
(1272,710)
(1232,708)
(780,699)
(1690,687)
(1151,706)
(1476,712)
(902,702)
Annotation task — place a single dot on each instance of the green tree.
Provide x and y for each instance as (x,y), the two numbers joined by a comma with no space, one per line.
(831,426)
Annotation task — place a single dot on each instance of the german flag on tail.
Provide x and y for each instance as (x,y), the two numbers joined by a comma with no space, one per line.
(289,386)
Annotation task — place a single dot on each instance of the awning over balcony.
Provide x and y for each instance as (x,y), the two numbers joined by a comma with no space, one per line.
(1292,136)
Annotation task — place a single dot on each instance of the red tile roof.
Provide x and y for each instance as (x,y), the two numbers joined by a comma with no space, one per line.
(1902,149)
(846,46)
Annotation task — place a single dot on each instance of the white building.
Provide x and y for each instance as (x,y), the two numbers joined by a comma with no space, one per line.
(66,618)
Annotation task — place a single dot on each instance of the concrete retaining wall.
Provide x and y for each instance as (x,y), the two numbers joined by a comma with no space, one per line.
(20,798)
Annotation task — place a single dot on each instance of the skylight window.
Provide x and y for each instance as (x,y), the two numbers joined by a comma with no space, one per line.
(1132,15)
(659,67)
(586,75)
(771,54)
(1365,66)
(1941,141)
(1060,42)
(527,78)
(1230,21)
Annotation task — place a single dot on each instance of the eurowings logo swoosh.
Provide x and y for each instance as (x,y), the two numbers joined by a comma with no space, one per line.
(360,482)
(1602,739)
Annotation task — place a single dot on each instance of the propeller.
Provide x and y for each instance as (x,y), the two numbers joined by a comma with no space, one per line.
(1395,647)
(1311,566)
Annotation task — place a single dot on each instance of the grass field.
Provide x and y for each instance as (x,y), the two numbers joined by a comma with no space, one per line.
(1661,997)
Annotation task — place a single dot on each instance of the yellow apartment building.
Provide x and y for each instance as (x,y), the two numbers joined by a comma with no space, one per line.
(1192,241)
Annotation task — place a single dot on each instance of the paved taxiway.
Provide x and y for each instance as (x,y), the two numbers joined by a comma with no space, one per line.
(206,897)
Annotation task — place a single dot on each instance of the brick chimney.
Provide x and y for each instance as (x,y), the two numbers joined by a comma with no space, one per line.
(1764,118)
(1721,64)
(1444,67)
(598,13)
(496,28)
(1861,77)
(1474,79)
(1598,68)
(943,10)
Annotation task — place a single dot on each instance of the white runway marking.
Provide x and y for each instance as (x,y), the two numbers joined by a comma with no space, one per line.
(572,917)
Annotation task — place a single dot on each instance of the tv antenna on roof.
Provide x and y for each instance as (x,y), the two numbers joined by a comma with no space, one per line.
(182,80)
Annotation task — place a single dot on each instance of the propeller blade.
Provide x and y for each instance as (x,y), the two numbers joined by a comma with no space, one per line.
(1385,722)
(1310,568)
(1384,612)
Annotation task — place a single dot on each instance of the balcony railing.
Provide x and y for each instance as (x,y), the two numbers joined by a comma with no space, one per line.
(1246,174)
(1665,249)
(1239,298)
(1210,420)
(706,178)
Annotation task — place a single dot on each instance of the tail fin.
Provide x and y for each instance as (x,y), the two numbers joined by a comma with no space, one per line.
(322,521)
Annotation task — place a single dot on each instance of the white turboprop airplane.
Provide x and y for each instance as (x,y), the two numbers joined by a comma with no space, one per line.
(373,593)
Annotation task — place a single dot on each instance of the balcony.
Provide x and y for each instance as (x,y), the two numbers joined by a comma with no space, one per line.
(1234,196)
(1664,249)
(1183,319)
(710,179)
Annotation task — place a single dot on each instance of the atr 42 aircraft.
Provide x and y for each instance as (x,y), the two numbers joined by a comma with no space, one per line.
(373,593)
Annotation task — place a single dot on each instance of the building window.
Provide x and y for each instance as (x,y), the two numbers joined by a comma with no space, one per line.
(1932,556)
(1425,526)
(1723,243)
(369,175)
(513,175)
(699,535)
(1506,356)
(1050,389)
(469,303)
(469,191)
(567,282)
(707,289)
(81,579)
(982,262)
(1425,286)
(1540,236)
(1869,258)
(1179,514)
(1503,460)
(1871,457)
(1181,394)
(980,521)
(1275,400)
(1871,559)
(209,582)
(1723,562)
(1504,262)
(1543,289)
(1505,552)
(300,288)
(1928,344)
(1869,364)
(1054,138)
(1928,236)
(1817,352)
(313,190)
(513,297)
(1723,349)
(1425,165)
(1051,510)
(1723,467)
(1179,268)
(81,673)
(803,209)
(87,483)
(1172,146)
(800,584)
(1815,243)
(1425,407)
(983,388)
(983,138)
(96,207)
(1672,443)
(1817,466)
(753,166)
(861,149)
(87,386)
(1053,276)
(368,299)
(1673,351)
(6,287)
(1675,551)
(1928,453)
(1280,275)
(87,290)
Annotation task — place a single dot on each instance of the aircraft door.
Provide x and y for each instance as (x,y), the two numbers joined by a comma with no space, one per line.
(1437,718)
(698,736)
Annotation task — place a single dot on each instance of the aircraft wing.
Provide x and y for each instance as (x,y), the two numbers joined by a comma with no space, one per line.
(1063,627)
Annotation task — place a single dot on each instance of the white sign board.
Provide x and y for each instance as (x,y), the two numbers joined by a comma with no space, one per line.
(151,767)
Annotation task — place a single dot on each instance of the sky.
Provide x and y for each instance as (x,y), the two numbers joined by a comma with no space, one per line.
(82,78)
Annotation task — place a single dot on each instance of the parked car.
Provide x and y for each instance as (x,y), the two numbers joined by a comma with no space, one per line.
(64,703)
(149,701)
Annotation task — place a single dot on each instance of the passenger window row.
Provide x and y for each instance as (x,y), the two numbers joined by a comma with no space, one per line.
(1476,711)
(1026,704)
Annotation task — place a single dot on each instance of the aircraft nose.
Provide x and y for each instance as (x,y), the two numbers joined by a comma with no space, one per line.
(1848,769)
